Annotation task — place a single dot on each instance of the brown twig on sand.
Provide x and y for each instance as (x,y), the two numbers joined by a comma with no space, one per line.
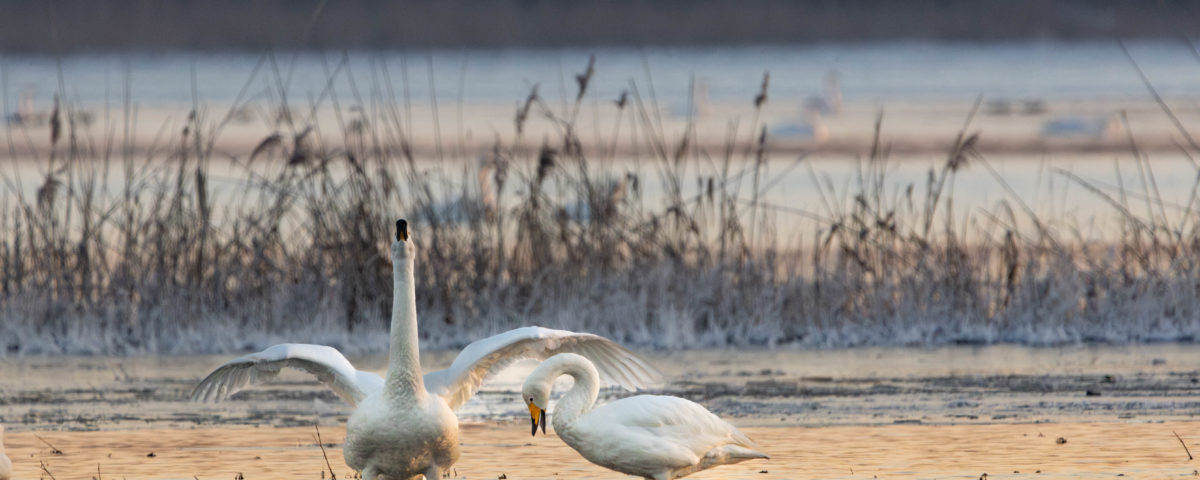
(53,449)
(321,444)
(47,470)
(1189,452)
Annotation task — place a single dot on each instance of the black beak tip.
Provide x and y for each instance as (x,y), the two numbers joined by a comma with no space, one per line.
(534,432)
(543,422)
(401,230)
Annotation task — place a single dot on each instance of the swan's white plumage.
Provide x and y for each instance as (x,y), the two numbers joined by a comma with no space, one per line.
(1100,127)
(325,363)
(651,436)
(486,357)
(403,425)
(5,463)
(456,384)
(810,129)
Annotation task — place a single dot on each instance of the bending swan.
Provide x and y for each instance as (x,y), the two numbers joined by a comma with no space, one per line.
(651,436)
(404,426)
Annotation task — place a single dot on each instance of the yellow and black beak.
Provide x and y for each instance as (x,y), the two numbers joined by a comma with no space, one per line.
(401,230)
(538,417)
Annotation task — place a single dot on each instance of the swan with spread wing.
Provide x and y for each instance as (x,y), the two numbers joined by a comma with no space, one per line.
(404,425)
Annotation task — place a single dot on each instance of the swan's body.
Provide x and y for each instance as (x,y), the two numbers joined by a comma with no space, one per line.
(402,432)
(25,114)
(400,437)
(811,129)
(404,425)
(650,436)
(5,463)
(1099,127)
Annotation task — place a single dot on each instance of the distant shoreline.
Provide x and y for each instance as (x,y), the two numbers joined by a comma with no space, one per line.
(912,130)
(62,27)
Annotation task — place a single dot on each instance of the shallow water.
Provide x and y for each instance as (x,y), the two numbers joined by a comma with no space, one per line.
(861,386)
(867,70)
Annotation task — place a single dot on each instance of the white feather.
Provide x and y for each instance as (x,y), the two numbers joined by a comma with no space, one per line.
(478,362)
(484,358)
(326,363)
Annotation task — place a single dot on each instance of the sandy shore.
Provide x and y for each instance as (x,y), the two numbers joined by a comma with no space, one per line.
(493,449)
(951,412)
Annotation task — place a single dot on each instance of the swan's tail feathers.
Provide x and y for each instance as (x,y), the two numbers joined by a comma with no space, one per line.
(722,455)
(728,455)
(743,453)
(739,437)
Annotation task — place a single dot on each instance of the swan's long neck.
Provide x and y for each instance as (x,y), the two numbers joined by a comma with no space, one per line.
(404,382)
(581,397)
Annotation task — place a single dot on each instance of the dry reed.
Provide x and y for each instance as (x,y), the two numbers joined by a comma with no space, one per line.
(548,235)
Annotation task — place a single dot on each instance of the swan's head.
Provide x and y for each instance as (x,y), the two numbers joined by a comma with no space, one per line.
(402,247)
(537,398)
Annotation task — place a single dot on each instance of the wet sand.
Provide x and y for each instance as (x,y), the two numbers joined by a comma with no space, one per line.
(492,449)
(951,412)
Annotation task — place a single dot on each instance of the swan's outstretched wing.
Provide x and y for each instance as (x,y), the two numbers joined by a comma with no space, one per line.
(326,363)
(485,357)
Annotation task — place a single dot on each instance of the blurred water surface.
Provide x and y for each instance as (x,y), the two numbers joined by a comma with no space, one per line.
(891,70)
